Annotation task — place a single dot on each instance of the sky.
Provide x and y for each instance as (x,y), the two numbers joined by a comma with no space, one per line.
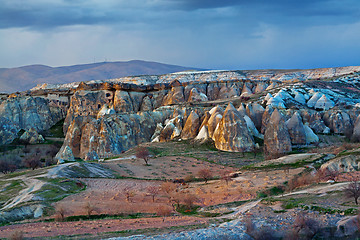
(212,34)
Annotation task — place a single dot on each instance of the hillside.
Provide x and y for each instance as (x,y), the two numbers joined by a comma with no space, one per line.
(26,77)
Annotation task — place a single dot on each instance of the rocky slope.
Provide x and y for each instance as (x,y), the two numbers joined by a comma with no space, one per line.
(107,117)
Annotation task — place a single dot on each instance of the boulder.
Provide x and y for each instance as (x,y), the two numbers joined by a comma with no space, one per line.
(232,133)
(31,136)
(191,126)
(296,129)
(65,154)
(277,140)
(347,227)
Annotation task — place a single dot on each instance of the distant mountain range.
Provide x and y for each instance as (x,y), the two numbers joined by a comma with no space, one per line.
(26,77)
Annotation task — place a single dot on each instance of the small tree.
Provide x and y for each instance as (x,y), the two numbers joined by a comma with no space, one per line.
(353,190)
(129,193)
(163,212)
(17,235)
(168,188)
(189,200)
(153,191)
(89,208)
(225,175)
(142,152)
(60,213)
(205,174)
(6,167)
(32,162)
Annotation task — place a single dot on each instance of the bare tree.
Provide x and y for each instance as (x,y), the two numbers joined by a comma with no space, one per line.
(163,212)
(17,235)
(353,190)
(189,200)
(60,213)
(168,188)
(142,152)
(153,191)
(89,208)
(205,174)
(225,175)
(32,162)
(7,167)
(129,193)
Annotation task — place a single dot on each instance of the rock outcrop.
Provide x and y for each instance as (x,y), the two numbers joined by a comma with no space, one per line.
(65,154)
(296,129)
(31,112)
(31,136)
(191,126)
(277,140)
(232,134)
(8,131)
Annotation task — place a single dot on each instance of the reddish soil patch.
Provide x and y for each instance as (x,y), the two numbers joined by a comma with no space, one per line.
(52,229)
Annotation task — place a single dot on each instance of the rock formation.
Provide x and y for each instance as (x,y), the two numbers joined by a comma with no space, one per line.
(277,140)
(296,129)
(191,126)
(31,136)
(232,134)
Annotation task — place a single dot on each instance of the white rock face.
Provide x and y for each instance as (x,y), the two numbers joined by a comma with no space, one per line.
(299,97)
(313,100)
(203,133)
(65,154)
(251,126)
(311,137)
(324,103)
(283,95)
(276,102)
(105,110)
(268,96)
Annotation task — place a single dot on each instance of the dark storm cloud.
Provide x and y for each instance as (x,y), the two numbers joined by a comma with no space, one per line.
(44,14)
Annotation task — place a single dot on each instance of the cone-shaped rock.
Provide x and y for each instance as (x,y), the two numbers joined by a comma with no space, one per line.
(296,129)
(191,126)
(216,116)
(255,111)
(324,103)
(276,139)
(232,133)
